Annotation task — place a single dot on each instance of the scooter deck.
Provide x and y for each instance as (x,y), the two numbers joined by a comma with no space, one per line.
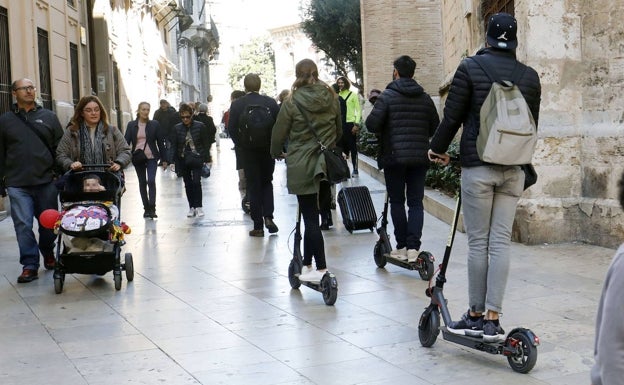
(401,263)
(473,342)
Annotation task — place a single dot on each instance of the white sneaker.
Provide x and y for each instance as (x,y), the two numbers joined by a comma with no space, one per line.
(399,254)
(312,276)
(305,270)
(199,212)
(191,213)
(412,255)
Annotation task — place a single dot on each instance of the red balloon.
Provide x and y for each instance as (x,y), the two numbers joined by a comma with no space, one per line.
(49,217)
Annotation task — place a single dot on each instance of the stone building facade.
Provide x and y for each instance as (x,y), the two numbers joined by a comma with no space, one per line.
(577,47)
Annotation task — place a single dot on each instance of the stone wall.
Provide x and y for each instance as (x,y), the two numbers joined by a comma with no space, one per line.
(577,47)
(401,27)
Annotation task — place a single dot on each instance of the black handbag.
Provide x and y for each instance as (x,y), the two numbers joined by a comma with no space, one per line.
(193,160)
(205,173)
(138,156)
(337,168)
(530,175)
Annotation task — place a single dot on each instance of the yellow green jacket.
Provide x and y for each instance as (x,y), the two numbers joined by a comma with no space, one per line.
(354,109)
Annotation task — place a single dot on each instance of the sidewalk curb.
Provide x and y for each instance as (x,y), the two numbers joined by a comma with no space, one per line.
(435,203)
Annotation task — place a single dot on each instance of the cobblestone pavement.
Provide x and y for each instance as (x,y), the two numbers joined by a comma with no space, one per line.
(211,305)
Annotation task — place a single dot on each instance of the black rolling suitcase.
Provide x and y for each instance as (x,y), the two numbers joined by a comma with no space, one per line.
(356,207)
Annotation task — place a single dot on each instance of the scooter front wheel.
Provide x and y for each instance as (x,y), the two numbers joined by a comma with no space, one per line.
(379,254)
(329,287)
(429,327)
(292,278)
(526,357)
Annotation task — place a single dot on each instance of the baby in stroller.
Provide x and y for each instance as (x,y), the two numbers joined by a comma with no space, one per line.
(90,229)
(87,218)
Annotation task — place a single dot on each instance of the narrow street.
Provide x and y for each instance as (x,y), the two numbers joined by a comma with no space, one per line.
(211,305)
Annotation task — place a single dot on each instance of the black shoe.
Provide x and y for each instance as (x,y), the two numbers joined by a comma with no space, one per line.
(146,214)
(270,225)
(467,325)
(492,331)
(256,233)
(27,275)
(324,225)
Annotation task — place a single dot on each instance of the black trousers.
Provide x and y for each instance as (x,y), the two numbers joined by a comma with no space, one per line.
(313,242)
(259,167)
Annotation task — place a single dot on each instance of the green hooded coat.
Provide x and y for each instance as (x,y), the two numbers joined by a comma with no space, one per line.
(305,165)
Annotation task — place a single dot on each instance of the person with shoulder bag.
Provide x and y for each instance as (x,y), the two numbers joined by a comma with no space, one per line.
(306,170)
(90,139)
(489,191)
(142,136)
(190,147)
(29,135)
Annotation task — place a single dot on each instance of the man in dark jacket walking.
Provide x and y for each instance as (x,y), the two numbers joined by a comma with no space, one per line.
(404,117)
(167,117)
(29,135)
(257,162)
(489,192)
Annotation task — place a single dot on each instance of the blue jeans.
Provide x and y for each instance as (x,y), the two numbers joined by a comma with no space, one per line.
(489,198)
(146,174)
(406,182)
(28,203)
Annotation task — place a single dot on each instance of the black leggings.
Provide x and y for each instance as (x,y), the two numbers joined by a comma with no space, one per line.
(313,243)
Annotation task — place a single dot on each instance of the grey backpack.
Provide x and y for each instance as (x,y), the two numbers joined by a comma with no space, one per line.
(507,133)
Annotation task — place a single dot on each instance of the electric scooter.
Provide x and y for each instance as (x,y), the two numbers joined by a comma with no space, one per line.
(424,262)
(519,346)
(328,285)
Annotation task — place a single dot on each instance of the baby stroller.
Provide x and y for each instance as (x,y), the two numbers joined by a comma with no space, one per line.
(90,231)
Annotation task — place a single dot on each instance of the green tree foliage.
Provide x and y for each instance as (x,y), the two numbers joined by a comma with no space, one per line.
(257,57)
(334,26)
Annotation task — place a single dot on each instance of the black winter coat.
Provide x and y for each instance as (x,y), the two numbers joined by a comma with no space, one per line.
(404,118)
(200,140)
(469,88)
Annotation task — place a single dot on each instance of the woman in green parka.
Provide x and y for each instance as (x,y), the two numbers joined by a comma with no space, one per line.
(306,167)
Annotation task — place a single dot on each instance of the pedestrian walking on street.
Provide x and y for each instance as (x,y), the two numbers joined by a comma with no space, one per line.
(92,140)
(211,129)
(404,117)
(142,136)
(351,119)
(305,166)
(29,135)
(257,161)
(167,117)
(489,192)
(190,150)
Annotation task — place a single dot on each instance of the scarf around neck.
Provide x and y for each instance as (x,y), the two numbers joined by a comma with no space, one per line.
(92,152)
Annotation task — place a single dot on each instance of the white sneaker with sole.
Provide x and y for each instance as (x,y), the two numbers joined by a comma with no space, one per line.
(399,254)
(305,270)
(199,212)
(313,276)
(412,255)
(191,213)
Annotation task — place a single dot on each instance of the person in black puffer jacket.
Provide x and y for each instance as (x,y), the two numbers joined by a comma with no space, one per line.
(489,192)
(190,148)
(404,118)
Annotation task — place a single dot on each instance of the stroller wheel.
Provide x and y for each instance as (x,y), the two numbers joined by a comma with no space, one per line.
(58,284)
(129,267)
(117,279)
